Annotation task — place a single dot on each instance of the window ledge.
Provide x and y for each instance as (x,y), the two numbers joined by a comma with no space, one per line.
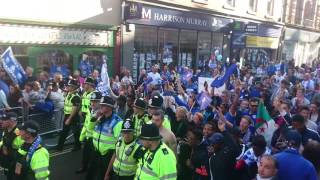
(229,7)
(267,16)
(251,12)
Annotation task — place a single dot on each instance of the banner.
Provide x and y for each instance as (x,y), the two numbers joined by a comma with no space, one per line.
(13,67)
(104,85)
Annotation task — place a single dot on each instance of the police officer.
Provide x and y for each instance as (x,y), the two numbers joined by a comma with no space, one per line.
(10,143)
(124,161)
(140,117)
(155,104)
(106,130)
(159,162)
(86,132)
(89,87)
(32,161)
(71,116)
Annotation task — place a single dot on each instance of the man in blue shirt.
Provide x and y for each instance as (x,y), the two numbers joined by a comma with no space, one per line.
(291,164)
(299,123)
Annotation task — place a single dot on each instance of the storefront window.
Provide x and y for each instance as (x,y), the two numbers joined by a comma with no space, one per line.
(204,46)
(145,44)
(188,48)
(90,61)
(55,61)
(168,45)
(217,41)
(258,56)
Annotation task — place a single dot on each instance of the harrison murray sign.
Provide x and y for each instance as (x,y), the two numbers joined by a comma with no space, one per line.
(148,15)
(161,17)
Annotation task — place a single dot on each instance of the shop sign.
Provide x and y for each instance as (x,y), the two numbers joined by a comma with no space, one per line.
(156,16)
(262,42)
(20,34)
(252,28)
(257,29)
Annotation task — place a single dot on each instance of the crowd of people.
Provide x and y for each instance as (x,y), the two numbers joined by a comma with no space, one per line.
(165,126)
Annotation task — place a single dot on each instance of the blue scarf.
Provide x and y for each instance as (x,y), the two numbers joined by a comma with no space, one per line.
(33,148)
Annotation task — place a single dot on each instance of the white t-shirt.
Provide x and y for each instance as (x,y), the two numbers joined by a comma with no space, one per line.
(156,78)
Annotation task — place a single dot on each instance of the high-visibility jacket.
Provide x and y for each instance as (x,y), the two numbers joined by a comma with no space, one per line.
(106,133)
(68,104)
(126,163)
(39,164)
(159,164)
(11,140)
(86,131)
(139,121)
(85,102)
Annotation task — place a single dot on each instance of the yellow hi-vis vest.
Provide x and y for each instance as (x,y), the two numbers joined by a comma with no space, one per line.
(85,102)
(68,104)
(86,132)
(139,122)
(39,164)
(125,164)
(106,134)
(158,165)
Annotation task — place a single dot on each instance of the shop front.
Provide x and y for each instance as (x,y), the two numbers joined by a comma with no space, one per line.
(254,43)
(57,49)
(301,46)
(173,37)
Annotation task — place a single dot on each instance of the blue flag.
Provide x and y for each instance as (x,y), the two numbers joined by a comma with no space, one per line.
(218,82)
(13,67)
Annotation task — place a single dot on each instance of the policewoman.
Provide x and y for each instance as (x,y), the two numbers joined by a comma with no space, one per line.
(125,160)
(71,116)
(86,132)
(159,162)
(32,160)
(10,143)
(89,87)
(140,117)
(106,131)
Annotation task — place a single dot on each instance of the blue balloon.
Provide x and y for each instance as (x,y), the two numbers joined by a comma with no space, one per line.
(4,87)
(219,58)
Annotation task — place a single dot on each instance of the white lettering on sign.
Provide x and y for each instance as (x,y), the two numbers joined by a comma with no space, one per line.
(146,14)
(52,35)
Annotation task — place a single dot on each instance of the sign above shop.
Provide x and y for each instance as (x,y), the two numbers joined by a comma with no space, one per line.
(262,42)
(252,28)
(51,35)
(156,16)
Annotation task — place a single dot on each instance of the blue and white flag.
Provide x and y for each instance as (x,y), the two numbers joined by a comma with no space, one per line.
(13,67)
(204,100)
(104,85)
(218,82)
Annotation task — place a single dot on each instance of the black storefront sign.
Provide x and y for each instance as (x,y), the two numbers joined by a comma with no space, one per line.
(252,28)
(163,17)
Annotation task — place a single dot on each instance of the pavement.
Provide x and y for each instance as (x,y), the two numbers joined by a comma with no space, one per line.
(62,164)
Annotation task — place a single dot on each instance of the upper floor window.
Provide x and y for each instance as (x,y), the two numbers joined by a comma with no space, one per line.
(270,7)
(230,2)
(253,5)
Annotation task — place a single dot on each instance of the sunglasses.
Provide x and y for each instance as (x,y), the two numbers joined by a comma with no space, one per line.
(254,105)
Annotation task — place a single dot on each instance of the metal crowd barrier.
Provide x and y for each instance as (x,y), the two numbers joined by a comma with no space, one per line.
(49,123)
